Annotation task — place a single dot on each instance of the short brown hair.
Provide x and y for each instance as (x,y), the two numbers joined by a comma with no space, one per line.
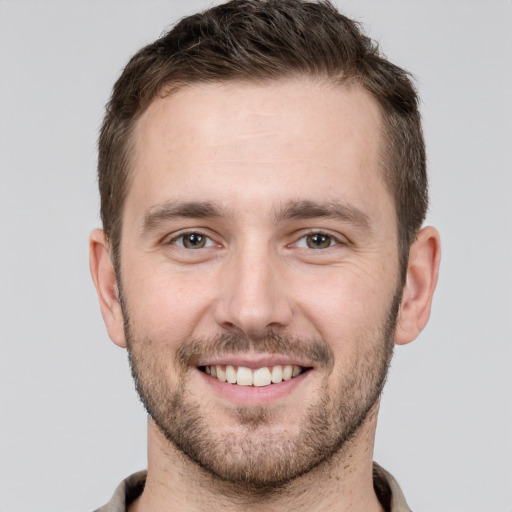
(257,41)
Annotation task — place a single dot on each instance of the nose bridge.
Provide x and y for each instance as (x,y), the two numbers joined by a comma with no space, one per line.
(253,298)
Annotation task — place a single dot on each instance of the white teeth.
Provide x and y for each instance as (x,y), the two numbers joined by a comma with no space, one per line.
(230,374)
(221,374)
(277,374)
(244,376)
(261,377)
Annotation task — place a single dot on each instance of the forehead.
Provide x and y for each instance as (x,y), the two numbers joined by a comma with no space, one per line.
(271,139)
(215,111)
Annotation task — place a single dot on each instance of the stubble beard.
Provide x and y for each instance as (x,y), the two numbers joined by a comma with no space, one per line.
(254,454)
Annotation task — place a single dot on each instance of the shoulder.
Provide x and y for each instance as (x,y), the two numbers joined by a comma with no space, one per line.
(126,492)
(388,491)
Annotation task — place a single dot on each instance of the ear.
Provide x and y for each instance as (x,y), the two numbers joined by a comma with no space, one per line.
(104,277)
(422,273)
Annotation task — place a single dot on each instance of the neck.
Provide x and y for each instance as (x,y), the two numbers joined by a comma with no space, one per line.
(343,483)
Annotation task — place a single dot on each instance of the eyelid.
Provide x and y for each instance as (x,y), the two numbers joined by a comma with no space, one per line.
(339,240)
(171,239)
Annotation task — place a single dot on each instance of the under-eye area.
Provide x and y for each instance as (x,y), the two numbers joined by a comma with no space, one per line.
(258,377)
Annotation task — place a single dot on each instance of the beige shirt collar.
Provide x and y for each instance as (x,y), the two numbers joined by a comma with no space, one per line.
(386,487)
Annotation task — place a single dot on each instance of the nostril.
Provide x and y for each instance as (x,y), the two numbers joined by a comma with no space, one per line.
(252,308)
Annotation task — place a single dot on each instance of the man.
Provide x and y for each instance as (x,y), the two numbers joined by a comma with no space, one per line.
(263,186)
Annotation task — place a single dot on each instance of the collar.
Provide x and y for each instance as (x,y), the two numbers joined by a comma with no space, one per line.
(386,487)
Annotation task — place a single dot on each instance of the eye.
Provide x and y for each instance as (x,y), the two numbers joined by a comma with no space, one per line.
(192,241)
(316,241)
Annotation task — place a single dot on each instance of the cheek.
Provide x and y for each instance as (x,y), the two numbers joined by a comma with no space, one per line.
(350,308)
(167,306)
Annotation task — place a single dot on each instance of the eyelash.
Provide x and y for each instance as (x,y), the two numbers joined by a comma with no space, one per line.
(209,242)
(333,241)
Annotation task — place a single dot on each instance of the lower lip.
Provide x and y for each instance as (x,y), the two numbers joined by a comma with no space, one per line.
(254,395)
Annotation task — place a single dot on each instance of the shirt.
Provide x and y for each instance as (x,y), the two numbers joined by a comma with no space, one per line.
(386,487)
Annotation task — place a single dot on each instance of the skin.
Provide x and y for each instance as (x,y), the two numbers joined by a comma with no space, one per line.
(252,151)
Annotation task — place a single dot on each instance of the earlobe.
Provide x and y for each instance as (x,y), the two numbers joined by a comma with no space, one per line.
(104,277)
(422,274)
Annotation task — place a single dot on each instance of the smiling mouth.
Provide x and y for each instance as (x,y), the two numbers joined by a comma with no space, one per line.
(258,377)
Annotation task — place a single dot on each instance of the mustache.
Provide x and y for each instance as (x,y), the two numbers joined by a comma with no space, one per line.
(315,350)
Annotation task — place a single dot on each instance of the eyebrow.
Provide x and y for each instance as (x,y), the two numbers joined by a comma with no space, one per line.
(160,214)
(292,210)
(297,210)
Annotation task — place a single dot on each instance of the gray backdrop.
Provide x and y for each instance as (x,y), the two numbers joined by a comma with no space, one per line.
(71,425)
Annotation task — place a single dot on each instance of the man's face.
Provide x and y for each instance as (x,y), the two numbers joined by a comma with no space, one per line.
(259,239)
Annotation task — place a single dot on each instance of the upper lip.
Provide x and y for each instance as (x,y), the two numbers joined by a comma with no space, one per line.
(253,360)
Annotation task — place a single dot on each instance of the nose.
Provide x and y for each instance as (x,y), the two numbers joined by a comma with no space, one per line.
(253,296)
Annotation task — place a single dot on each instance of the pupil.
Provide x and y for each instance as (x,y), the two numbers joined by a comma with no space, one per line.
(194,240)
(319,241)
